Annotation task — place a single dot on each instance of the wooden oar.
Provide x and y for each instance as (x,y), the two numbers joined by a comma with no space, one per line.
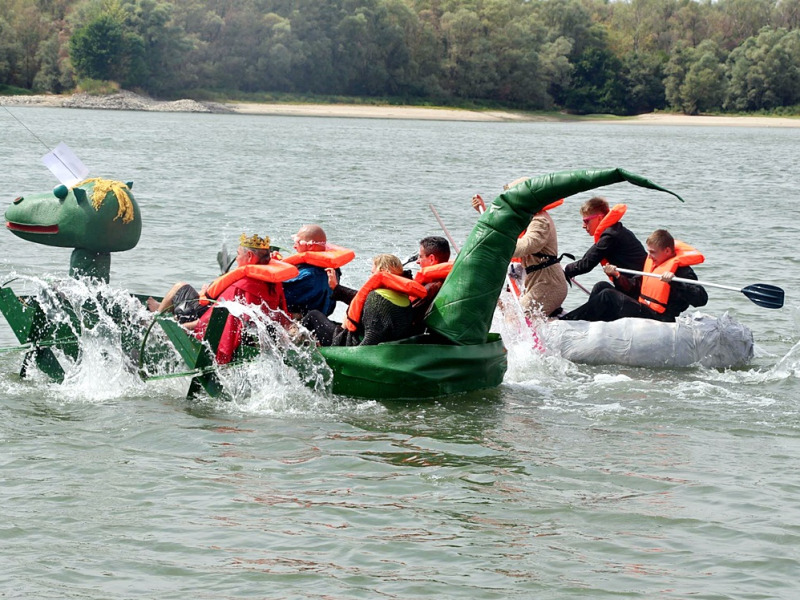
(762,294)
(444,228)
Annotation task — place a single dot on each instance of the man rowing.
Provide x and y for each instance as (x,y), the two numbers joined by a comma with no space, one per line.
(658,298)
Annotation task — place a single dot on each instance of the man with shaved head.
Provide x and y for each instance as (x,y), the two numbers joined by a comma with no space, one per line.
(310,289)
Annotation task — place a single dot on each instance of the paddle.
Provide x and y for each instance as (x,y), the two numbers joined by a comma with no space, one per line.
(224,260)
(762,294)
(444,228)
(411,259)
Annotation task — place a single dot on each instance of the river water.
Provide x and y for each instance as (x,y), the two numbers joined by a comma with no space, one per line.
(568,481)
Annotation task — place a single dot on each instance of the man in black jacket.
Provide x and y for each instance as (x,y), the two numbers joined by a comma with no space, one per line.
(673,297)
(614,243)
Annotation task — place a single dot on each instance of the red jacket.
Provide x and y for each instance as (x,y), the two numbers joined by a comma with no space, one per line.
(269,296)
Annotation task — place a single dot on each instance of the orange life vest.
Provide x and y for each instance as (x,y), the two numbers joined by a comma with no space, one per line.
(332,257)
(654,292)
(275,271)
(380,280)
(554,204)
(612,217)
(437,272)
(524,231)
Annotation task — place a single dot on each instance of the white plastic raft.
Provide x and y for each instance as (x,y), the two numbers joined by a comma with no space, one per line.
(697,339)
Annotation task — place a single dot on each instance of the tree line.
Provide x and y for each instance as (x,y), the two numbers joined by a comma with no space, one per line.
(583,56)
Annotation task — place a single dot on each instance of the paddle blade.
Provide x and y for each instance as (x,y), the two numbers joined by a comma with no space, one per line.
(764,294)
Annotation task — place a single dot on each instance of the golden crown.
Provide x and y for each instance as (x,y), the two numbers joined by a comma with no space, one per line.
(254,241)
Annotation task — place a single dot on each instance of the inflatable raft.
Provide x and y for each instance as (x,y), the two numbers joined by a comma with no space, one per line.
(693,340)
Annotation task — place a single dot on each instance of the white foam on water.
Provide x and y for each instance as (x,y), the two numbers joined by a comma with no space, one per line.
(788,367)
(609,379)
(102,369)
(288,376)
(528,359)
(105,371)
(102,372)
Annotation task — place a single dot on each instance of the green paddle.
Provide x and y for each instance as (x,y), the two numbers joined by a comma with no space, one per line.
(762,294)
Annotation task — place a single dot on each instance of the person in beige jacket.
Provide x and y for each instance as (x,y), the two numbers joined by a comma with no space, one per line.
(545,286)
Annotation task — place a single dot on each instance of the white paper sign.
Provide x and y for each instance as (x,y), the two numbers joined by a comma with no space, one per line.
(67,167)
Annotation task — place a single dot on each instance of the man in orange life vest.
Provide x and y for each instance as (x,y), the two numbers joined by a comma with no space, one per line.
(256,281)
(379,312)
(613,242)
(433,257)
(310,289)
(658,298)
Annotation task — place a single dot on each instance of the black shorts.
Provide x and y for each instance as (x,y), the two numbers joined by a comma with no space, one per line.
(186,305)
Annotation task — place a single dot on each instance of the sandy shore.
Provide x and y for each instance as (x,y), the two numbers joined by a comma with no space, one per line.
(130,101)
(447,114)
(702,120)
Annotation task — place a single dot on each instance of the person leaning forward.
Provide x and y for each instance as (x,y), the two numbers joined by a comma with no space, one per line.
(659,298)
(613,242)
(537,250)
(380,311)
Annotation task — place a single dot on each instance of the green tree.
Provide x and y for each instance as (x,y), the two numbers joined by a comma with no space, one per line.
(741,19)
(569,19)
(469,64)
(696,79)
(705,85)
(765,71)
(313,23)
(596,86)
(8,52)
(557,67)
(643,75)
(690,23)
(522,74)
(55,72)
(156,46)
(787,14)
(98,50)
(427,48)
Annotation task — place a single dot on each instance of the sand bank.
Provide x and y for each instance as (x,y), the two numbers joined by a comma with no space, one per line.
(385,112)
(129,101)
(701,120)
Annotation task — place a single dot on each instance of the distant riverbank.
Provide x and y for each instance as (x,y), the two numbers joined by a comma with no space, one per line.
(129,101)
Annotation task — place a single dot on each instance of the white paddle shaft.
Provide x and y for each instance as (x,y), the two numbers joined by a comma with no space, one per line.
(681,280)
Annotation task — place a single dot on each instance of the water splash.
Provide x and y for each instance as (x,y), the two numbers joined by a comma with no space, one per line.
(105,325)
(788,366)
(288,376)
(529,362)
(117,348)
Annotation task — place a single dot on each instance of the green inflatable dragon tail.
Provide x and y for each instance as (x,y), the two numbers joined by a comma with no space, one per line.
(463,309)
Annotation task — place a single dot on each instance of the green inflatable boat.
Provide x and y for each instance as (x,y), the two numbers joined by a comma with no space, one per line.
(459,355)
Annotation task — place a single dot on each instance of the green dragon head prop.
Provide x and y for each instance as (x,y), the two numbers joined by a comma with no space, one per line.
(95,217)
